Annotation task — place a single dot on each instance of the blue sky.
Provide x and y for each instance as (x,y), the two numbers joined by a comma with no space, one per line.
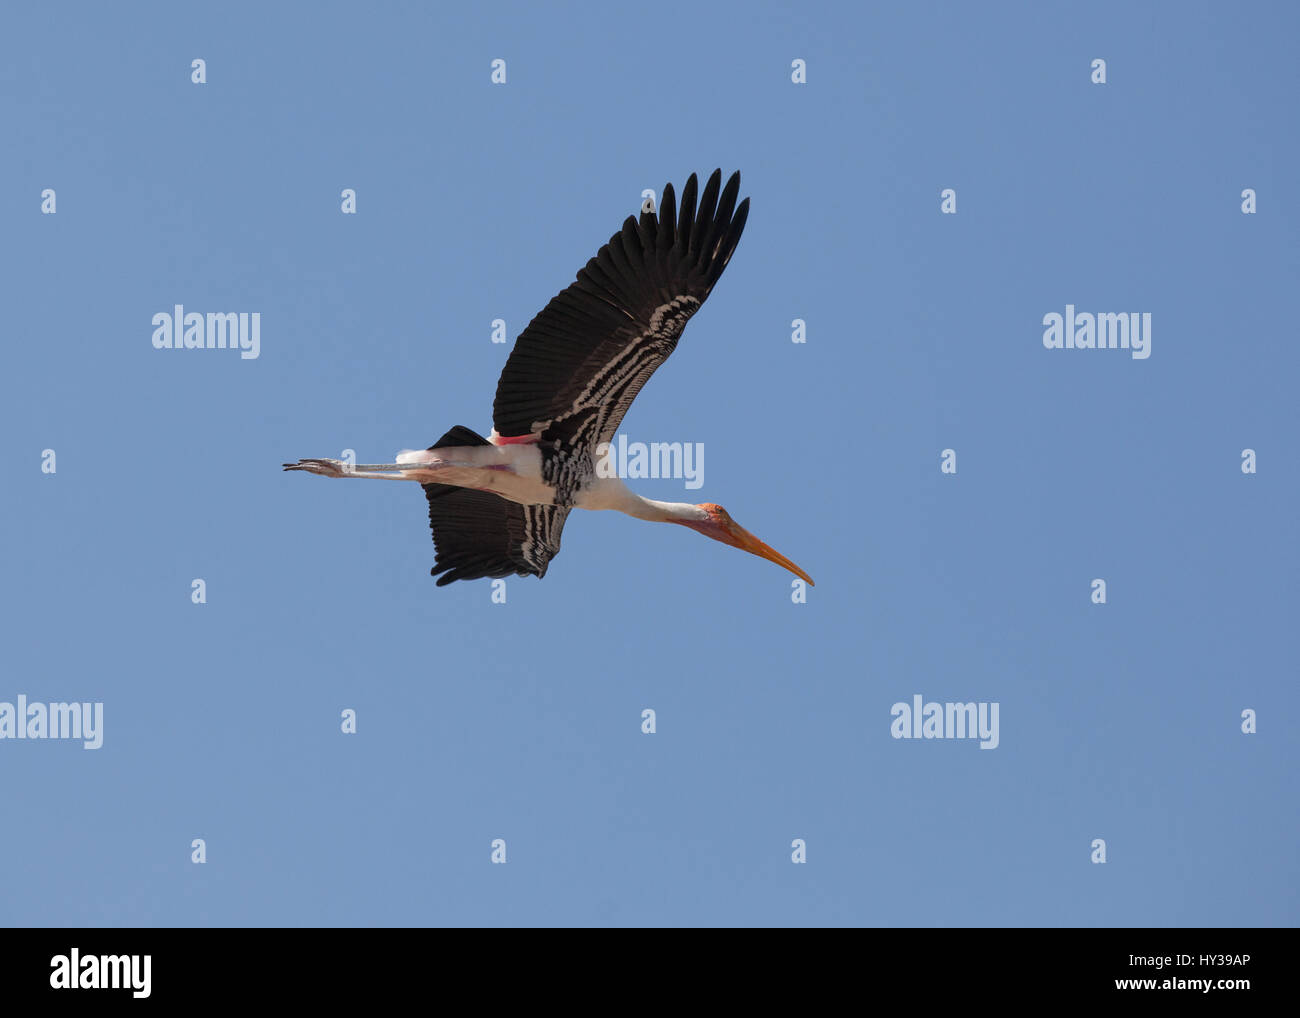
(522,721)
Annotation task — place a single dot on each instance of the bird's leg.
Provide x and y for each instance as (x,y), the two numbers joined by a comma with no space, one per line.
(337,468)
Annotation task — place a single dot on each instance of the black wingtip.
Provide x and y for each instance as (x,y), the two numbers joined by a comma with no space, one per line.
(686,211)
(667,218)
(727,202)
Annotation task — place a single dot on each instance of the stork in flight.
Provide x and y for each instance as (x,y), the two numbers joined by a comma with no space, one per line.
(497,505)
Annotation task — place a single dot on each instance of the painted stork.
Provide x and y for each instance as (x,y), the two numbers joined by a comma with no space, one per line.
(497,505)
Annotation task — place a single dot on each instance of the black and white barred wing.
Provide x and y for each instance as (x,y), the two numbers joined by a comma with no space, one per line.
(478,534)
(580,363)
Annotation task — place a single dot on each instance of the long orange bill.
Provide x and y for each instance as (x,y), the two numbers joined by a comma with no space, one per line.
(754,546)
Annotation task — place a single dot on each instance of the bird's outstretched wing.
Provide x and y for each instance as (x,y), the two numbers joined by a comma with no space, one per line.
(477,533)
(578,365)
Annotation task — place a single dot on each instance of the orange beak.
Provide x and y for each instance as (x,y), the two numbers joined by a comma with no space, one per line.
(744,540)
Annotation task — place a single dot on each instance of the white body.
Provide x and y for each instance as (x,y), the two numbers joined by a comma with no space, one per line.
(514,471)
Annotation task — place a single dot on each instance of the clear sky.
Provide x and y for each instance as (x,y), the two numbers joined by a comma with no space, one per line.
(522,721)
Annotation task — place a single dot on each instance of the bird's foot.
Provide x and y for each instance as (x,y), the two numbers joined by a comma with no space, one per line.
(324,467)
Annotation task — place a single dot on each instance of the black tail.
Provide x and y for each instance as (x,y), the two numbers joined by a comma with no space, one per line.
(459,436)
(477,534)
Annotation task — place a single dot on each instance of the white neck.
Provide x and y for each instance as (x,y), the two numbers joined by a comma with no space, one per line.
(664,512)
(612,493)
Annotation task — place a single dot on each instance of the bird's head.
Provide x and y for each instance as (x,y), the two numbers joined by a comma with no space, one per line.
(716,522)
